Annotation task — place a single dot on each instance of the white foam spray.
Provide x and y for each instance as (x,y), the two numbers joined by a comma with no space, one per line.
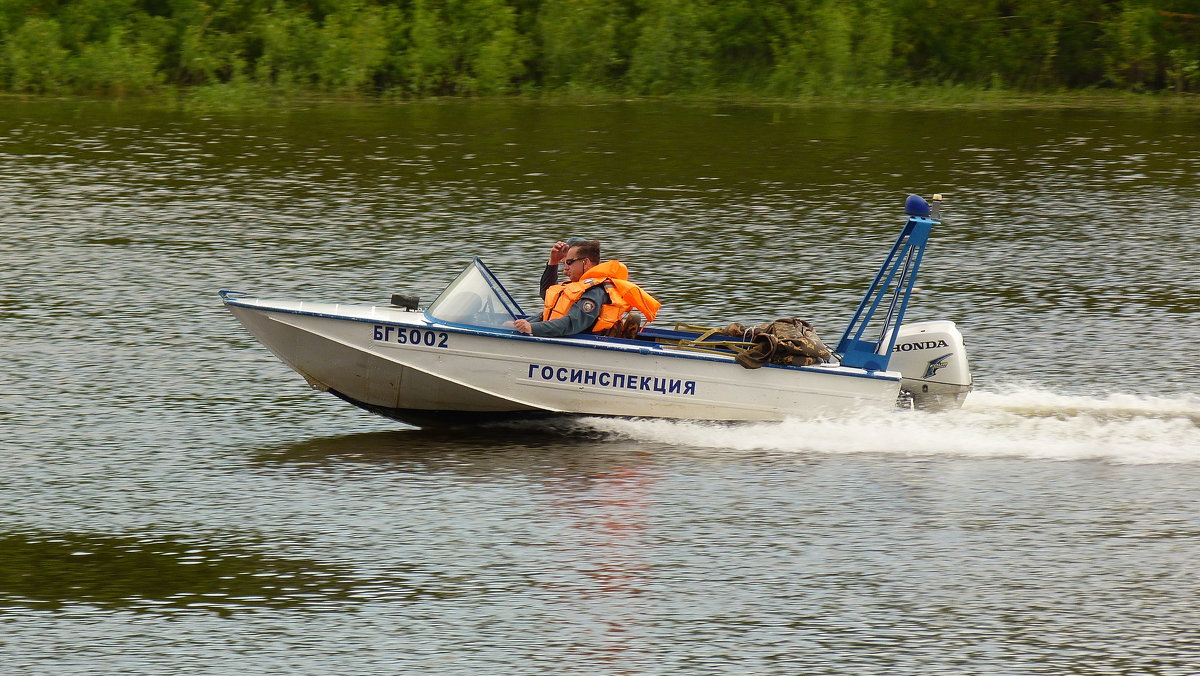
(1021,421)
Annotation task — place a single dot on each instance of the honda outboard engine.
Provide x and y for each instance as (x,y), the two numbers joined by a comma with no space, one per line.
(932,358)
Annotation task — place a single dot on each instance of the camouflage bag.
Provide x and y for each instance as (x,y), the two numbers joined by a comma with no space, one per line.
(789,342)
(626,327)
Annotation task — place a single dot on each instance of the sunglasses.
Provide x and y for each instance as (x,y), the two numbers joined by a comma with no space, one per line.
(571,261)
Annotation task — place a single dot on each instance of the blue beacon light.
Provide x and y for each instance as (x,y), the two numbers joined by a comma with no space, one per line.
(915,205)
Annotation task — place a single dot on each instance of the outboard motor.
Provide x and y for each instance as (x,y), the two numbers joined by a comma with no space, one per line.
(932,358)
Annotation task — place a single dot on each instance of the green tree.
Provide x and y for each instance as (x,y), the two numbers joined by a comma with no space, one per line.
(286,58)
(1069,57)
(1130,60)
(948,41)
(209,44)
(463,47)
(672,52)
(116,67)
(13,13)
(831,44)
(352,48)
(34,59)
(498,57)
(874,42)
(1183,70)
(208,56)
(94,21)
(743,32)
(580,43)
(430,59)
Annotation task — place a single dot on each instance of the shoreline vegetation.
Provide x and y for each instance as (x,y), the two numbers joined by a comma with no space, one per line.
(254,97)
(239,54)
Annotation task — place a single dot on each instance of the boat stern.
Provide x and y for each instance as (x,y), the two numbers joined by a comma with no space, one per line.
(932,360)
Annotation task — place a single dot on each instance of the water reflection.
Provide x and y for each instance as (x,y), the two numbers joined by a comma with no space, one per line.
(48,570)
(558,447)
(579,536)
(605,534)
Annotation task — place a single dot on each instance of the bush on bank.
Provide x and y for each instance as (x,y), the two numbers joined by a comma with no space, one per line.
(418,48)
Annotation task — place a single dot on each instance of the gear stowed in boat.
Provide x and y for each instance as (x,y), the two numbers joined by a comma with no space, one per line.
(457,360)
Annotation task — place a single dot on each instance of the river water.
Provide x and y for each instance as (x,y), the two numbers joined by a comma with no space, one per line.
(175,500)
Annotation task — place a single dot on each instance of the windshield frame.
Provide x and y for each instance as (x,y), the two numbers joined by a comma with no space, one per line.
(475,279)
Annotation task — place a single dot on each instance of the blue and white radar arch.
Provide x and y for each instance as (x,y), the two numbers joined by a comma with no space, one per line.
(873,350)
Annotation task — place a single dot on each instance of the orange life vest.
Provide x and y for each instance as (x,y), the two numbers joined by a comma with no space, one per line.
(623,296)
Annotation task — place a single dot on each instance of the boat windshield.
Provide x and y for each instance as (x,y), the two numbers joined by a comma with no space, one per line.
(475,298)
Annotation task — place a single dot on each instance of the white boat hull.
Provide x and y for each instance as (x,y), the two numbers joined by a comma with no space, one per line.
(461,357)
(403,365)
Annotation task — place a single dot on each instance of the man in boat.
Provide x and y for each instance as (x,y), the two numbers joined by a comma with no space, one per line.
(557,253)
(598,299)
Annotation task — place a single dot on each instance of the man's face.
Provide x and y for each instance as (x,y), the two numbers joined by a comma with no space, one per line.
(573,265)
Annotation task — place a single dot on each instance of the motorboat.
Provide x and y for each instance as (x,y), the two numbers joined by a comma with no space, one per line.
(459,359)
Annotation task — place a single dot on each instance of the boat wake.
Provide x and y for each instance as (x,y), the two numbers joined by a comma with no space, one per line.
(1021,421)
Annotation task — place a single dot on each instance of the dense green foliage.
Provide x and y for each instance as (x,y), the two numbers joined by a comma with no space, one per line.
(485,47)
